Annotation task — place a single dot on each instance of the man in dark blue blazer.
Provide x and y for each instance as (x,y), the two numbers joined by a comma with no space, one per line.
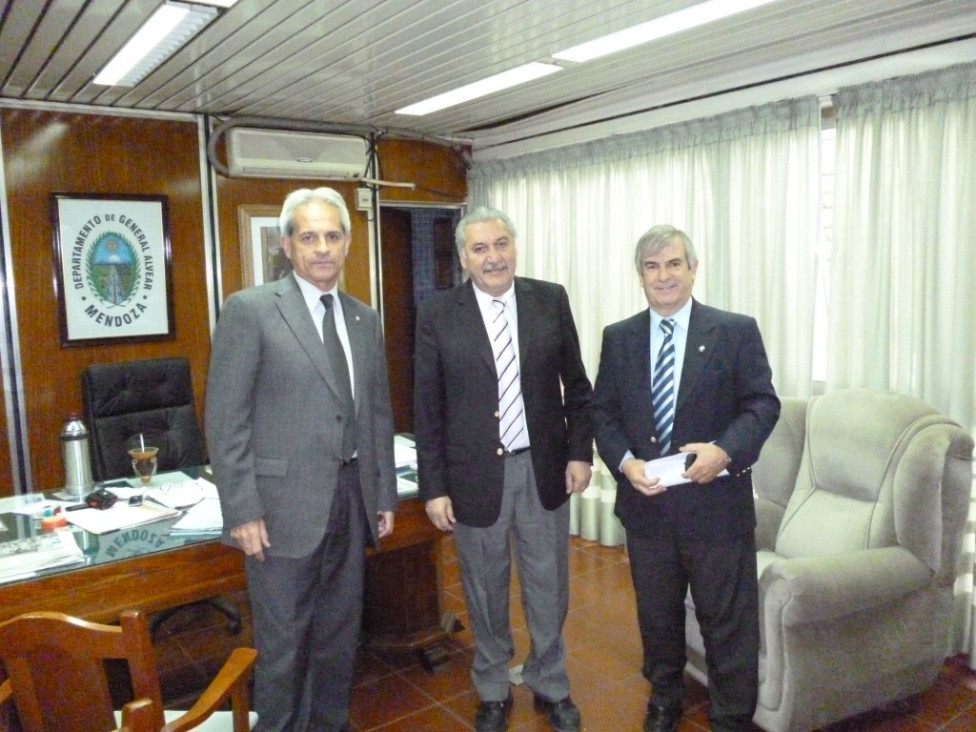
(497,471)
(698,534)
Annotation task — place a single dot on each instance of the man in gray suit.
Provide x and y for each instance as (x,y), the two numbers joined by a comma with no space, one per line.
(303,467)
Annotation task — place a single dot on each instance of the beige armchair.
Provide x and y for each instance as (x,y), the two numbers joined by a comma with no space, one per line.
(862,498)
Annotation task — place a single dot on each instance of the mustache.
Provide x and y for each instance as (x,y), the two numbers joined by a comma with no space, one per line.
(494,267)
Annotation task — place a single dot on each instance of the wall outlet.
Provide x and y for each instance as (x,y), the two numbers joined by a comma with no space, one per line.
(364,199)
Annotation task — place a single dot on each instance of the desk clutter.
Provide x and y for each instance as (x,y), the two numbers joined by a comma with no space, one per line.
(39,532)
(170,495)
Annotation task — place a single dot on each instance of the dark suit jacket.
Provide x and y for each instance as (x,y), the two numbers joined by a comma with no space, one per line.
(456,398)
(726,396)
(271,410)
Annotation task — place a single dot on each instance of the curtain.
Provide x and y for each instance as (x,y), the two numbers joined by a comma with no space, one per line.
(902,292)
(743,186)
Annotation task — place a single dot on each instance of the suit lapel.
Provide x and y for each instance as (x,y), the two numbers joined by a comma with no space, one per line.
(529,320)
(357,342)
(470,322)
(698,351)
(640,359)
(294,311)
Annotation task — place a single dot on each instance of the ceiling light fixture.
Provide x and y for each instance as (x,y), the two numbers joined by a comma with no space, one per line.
(490,85)
(666,25)
(172,25)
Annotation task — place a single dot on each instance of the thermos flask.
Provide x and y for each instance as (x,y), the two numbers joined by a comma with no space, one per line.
(77,461)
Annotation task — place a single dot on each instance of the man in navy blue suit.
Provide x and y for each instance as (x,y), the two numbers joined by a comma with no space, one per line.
(717,402)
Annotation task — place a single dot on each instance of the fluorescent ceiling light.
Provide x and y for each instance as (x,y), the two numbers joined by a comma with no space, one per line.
(666,25)
(504,80)
(172,25)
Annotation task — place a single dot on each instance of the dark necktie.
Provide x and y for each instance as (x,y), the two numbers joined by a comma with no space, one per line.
(662,391)
(340,367)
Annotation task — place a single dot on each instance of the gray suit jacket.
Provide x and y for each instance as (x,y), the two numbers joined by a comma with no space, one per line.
(271,411)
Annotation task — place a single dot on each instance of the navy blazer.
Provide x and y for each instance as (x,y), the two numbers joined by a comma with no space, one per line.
(726,396)
(456,398)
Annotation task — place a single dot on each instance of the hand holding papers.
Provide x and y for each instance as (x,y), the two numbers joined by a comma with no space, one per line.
(670,470)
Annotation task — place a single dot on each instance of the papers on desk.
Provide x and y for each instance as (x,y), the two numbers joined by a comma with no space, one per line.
(406,482)
(203,518)
(23,557)
(669,469)
(119,516)
(404,452)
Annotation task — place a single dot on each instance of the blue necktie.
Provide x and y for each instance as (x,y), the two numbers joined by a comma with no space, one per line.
(662,391)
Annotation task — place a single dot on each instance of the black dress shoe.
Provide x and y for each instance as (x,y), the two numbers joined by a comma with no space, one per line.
(563,715)
(661,719)
(492,716)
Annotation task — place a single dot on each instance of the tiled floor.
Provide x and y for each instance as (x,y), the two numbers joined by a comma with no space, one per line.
(396,694)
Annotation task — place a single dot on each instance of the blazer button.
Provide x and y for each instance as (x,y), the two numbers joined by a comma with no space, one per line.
(338,418)
(498,415)
(499,452)
(653,440)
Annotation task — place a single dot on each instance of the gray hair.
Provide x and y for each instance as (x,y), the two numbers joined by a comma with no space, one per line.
(303,196)
(477,216)
(656,238)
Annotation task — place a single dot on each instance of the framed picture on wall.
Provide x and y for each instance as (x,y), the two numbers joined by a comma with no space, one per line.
(112,268)
(262,259)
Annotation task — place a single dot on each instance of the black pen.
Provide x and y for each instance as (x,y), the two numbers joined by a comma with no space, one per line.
(76,507)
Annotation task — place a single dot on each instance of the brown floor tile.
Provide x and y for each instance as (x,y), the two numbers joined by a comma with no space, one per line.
(393,692)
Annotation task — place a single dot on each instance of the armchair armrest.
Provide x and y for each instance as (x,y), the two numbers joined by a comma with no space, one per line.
(230,682)
(812,589)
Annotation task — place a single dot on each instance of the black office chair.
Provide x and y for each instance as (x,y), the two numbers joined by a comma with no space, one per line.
(152,398)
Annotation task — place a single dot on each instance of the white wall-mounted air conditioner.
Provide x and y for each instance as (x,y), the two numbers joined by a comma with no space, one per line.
(258,153)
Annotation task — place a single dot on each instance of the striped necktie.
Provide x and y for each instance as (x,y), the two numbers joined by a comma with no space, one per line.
(662,392)
(506,365)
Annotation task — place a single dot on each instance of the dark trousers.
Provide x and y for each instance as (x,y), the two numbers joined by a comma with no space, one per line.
(721,574)
(307,614)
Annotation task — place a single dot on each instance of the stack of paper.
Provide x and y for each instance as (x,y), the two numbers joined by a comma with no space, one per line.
(119,516)
(23,557)
(204,516)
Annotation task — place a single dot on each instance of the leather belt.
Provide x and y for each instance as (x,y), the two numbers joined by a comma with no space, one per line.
(513,453)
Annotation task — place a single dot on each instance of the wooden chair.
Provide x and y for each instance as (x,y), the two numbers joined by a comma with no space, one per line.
(58,681)
(138,716)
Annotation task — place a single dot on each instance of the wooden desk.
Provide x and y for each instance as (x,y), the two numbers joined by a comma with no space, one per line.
(403,581)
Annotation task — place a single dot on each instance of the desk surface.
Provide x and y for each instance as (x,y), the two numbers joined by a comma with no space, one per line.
(145,568)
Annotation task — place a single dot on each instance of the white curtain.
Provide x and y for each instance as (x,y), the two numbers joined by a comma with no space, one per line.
(903,270)
(744,186)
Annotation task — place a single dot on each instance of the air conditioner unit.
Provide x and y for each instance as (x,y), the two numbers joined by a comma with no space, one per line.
(257,153)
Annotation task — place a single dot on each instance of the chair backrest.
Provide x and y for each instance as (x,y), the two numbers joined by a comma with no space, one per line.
(152,397)
(878,469)
(774,474)
(57,672)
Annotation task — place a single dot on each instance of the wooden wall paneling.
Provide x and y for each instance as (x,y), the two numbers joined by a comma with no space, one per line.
(235,192)
(437,171)
(53,151)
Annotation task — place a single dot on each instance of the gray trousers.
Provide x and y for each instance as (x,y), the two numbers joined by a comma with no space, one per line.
(540,540)
(306,615)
